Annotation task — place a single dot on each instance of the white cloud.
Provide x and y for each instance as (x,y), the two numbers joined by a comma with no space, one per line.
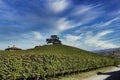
(87,13)
(90,41)
(72,37)
(64,24)
(28,40)
(38,35)
(81,9)
(79,16)
(24,41)
(109,22)
(72,40)
(97,26)
(58,5)
(95,40)
(113,39)
(91,15)
(103,33)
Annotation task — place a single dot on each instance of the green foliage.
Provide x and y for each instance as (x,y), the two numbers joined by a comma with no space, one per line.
(45,61)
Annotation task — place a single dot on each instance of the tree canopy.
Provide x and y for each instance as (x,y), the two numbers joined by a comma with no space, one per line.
(54,39)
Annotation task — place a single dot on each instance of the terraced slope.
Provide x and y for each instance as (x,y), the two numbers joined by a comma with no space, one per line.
(48,61)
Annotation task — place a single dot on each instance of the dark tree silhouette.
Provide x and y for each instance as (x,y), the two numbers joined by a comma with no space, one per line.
(53,39)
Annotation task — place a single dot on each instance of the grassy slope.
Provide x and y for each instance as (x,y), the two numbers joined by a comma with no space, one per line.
(61,49)
(59,59)
(52,49)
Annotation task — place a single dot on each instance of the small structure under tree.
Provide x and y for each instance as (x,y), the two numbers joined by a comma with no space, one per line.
(53,39)
(12,48)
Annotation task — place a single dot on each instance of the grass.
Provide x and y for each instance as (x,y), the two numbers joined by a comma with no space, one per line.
(48,60)
(83,75)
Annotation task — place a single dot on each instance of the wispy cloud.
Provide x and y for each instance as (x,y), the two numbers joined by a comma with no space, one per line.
(38,35)
(103,33)
(64,24)
(78,17)
(95,40)
(90,41)
(79,10)
(99,26)
(25,40)
(72,38)
(81,24)
(109,22)
(58,5)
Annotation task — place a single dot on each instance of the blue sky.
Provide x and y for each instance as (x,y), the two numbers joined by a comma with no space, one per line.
(86,24)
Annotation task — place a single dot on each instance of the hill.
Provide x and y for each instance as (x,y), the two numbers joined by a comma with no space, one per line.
(49,61)
(60,49)
(112,52)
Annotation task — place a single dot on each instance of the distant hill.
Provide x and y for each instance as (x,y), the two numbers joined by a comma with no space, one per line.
(112,52)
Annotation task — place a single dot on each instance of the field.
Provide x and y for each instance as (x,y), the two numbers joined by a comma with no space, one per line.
(49,61)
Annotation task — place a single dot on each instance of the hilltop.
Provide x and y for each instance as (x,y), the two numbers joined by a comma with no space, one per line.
(60,49)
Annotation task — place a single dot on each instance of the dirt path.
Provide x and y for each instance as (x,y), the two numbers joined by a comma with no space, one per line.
(114,74)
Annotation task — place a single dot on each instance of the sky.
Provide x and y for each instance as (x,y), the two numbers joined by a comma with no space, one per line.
(86,24)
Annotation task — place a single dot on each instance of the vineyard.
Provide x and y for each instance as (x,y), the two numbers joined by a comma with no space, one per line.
(48,61)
